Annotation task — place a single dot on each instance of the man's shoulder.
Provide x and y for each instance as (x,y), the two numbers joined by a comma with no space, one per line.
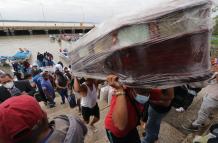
(21,82)
(2,88)
(43,82)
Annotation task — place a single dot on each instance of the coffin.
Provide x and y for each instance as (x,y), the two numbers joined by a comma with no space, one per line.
(159,47)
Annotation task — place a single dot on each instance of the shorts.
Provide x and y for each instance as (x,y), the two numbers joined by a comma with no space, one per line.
(87,112)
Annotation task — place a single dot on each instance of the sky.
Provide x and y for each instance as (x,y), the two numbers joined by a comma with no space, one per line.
(70,10)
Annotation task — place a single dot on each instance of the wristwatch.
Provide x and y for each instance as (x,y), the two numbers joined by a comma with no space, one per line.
(119,93)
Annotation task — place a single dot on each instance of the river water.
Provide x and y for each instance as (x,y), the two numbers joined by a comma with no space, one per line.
(9,45)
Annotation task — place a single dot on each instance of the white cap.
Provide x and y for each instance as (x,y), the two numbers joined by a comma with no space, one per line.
(34,65)
(58,67)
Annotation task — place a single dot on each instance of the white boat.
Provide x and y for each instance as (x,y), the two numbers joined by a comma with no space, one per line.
(64,54)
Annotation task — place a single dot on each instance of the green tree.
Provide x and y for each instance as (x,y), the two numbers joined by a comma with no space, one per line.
(215,32)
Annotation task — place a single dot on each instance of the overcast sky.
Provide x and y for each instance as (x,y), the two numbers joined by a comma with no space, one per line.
(69,10)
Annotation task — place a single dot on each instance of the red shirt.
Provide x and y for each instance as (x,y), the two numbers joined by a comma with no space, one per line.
(132,118)
(155,94)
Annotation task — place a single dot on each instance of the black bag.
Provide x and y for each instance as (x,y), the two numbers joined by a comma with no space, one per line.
(38,97)
(72,100)
(184,96)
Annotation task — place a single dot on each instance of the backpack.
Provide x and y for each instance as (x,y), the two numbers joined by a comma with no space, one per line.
(62,80)
(72,100)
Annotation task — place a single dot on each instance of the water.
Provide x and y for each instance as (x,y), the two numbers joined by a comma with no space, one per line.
(9,45)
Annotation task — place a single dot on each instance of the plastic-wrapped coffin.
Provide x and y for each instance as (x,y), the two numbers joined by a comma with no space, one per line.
(159,47)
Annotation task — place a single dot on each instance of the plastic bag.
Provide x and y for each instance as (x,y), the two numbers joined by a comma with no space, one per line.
(161,47)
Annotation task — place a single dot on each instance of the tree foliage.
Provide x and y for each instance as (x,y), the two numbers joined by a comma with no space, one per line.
(215,32)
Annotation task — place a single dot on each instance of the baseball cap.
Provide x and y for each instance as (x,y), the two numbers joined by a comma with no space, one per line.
(34,65)
(19,114)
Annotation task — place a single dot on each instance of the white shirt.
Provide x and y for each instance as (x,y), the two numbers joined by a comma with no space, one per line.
(90,99)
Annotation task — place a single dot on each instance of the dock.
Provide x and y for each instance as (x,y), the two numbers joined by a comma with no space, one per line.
(39,28)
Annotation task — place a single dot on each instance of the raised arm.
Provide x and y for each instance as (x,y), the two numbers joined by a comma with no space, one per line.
(120,114)
(81,89)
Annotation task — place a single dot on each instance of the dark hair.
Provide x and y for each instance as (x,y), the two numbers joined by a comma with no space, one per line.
(60,74)
(61,64)
(27,76)
(35,72)
(45,74)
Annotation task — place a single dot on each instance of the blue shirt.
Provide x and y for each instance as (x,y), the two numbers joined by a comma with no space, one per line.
(38,79)
(46,85)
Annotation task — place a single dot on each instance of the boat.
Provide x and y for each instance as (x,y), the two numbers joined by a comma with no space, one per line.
(53,37)
(162,47)
(21,55)
(71,37)
(64,54)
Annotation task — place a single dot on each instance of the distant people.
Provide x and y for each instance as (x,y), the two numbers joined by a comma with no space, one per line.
(65,51)
(61,82)
(208,106)
(11,88)
(40,58)
(17,70)
(89,105)
(45,59)
(23,121)
(50,59)
(48,89)
(26,67)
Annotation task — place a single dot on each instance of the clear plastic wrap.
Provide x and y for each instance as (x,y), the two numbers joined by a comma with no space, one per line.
(159,47)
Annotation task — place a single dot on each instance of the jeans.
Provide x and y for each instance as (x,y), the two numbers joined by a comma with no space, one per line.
(50,99)
(207,107)
(63,93)
(153,125)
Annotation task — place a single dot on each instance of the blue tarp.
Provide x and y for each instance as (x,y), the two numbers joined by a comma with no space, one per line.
(21,55)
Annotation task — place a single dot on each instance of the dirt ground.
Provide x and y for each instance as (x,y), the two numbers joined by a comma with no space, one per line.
(171,127)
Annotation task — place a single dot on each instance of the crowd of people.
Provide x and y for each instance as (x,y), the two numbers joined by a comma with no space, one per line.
(129,107)
(21,69)
(45,59)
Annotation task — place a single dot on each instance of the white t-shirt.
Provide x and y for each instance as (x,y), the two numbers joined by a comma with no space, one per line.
(90,99)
